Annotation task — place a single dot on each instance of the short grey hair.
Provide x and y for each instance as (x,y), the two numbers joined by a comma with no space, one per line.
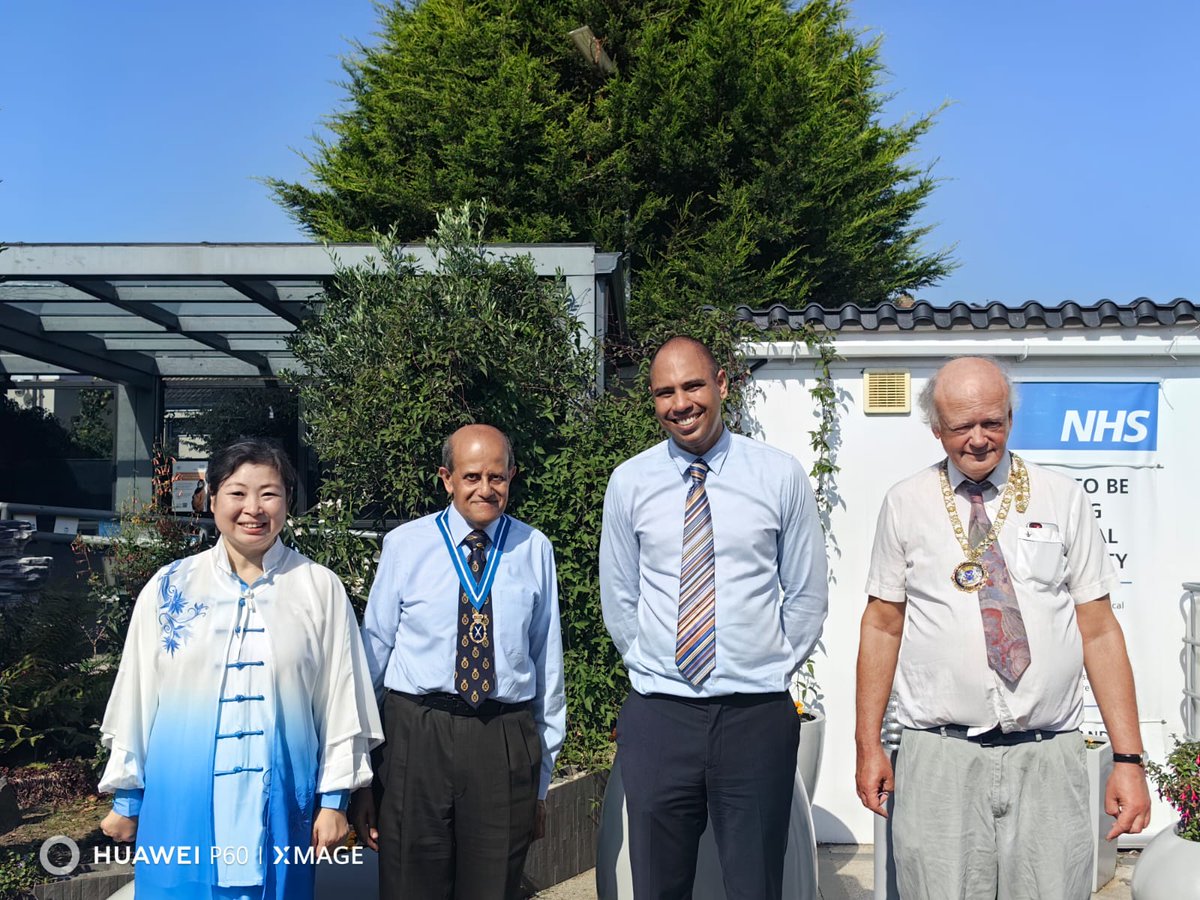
(448,450)
(929,410)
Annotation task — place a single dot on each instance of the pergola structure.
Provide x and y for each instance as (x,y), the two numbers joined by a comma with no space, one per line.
(136,315)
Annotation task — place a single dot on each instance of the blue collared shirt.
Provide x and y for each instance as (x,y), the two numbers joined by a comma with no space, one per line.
(410,627)
(771,571)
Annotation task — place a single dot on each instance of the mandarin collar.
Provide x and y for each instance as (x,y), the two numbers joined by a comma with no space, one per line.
(271,559)
(460,527)
(998,477)
(714,458)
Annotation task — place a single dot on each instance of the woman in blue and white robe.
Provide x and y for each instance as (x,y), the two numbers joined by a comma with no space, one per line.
(243,715)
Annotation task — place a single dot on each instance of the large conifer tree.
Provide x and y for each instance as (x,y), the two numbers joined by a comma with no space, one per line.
(735,149)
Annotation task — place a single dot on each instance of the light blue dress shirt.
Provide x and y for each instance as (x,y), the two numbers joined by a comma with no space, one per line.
(410,628)
(771,572)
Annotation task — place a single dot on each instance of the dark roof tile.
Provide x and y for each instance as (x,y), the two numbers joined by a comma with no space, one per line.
(924,316)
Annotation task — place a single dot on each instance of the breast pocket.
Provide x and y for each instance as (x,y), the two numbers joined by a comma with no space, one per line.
(1043,558)
(512,611)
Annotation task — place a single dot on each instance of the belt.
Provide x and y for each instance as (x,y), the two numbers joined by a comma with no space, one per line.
(994,737)
(457,706)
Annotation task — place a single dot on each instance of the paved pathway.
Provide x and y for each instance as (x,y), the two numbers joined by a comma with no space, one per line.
(847,872)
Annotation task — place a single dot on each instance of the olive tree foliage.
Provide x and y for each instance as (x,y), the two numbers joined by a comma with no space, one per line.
(736,151)
(399,358)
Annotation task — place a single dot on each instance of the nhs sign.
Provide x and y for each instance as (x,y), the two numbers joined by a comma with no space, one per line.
(1086,415)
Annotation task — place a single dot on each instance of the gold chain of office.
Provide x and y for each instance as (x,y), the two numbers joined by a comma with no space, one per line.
(970,575)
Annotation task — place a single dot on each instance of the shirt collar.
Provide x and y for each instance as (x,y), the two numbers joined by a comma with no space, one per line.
(998,477)
(715,457)
(271,559)
(460,527)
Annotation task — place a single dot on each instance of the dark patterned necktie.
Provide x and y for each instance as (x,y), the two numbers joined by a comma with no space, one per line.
(474,675)
(1003,626)
(696,627)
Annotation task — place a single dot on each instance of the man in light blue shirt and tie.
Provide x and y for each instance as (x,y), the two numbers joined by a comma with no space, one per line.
(713,582)
(465,651)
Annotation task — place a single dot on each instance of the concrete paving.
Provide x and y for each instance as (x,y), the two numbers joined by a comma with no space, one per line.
(847,872)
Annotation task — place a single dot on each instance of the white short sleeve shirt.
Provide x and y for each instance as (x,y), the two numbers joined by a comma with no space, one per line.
(1056,558)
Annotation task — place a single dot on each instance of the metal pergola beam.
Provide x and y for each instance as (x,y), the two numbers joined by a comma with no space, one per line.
(110,294)
(134,314)
(22,333)
(264,294)
(107,291)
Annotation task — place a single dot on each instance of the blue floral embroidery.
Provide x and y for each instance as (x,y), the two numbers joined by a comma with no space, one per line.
(175,614)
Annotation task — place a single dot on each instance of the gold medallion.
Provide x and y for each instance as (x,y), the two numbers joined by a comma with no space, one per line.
(969,576)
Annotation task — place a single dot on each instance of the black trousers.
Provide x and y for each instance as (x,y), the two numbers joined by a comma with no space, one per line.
(459,798)
(732,758)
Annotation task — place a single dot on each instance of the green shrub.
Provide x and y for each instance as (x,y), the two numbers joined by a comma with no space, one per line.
(146,540)
(1178,783)
(59,655)
(18,874)
(53,681)
(328,535)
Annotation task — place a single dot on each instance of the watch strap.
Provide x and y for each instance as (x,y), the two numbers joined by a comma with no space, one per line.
(1138,759)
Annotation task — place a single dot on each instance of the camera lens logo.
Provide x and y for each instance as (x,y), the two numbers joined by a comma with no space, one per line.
(51,854)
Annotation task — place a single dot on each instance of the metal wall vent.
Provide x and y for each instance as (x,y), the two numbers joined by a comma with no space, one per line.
(886,392)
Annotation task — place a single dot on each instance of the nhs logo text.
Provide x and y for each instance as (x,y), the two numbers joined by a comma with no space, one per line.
(1099,425)
(1093,415)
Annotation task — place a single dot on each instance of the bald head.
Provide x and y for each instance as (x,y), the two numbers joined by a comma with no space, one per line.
(688,390)
(471,434)
(969,405)
(681,343)
(477,473)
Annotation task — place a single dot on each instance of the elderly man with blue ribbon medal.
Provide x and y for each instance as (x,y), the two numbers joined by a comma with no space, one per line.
(464,647)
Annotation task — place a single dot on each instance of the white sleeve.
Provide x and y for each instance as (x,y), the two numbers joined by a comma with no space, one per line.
(344,707)
(133,703)
(886,577)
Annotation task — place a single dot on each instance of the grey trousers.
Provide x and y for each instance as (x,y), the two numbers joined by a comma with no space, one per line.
(977,823)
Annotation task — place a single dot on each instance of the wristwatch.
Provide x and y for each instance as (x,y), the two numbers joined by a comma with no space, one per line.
(1137,759)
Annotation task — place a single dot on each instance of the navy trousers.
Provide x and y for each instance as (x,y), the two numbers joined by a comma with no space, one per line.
(683,761)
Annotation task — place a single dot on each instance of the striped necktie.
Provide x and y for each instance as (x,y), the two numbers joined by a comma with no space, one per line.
(696,633)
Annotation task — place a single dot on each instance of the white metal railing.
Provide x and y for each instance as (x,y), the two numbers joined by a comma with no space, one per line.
(1191,662)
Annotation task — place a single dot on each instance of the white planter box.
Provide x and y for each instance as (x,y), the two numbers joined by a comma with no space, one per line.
(1104,853)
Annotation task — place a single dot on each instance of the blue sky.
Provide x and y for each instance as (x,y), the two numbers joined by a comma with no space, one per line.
(1066,153)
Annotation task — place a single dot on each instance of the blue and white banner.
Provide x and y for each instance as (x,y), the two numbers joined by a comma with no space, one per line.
(1105,435)
(1087,421)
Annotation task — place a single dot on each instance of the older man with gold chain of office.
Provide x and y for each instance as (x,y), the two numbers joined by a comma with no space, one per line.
(989,597)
